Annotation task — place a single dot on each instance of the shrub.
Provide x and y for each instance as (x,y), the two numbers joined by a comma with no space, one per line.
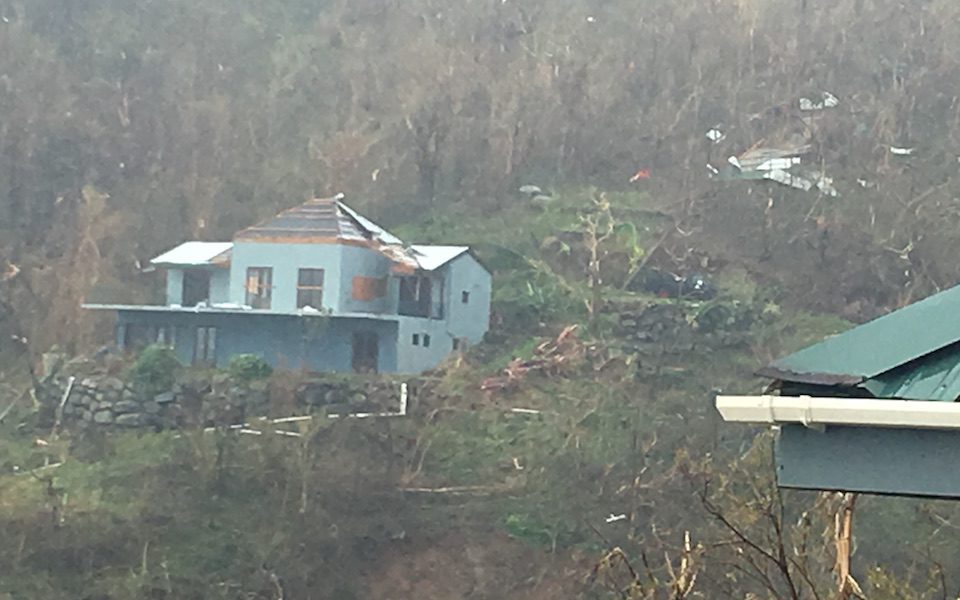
(245,368)
(156,369)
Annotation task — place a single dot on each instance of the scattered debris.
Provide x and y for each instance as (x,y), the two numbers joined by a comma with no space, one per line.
(827,100)
(901,151)
(670,285)
(782,165)
(11,271)
(530,190)
(716,136)
(713,170)
(641,174)
(778,164)
(550,357)
(788,179)
(525,411)
(614,518)
(516,464)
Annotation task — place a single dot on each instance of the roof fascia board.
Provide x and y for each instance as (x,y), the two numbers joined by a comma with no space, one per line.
(811,411)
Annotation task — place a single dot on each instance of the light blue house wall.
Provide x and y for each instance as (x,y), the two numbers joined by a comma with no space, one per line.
(310,342)
(468,320)
(364,262)
(416,358)
(219,285)
(876,460)
(286,260)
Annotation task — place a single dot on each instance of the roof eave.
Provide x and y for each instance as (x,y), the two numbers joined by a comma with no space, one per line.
(781,374)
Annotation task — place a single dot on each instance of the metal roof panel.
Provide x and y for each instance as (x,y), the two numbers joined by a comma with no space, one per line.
(881,345)
(193,254)
(433,257)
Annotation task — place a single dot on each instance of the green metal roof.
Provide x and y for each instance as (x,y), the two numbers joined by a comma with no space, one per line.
(911,353)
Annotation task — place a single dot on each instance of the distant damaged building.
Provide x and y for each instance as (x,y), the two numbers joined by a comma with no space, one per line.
(317,287)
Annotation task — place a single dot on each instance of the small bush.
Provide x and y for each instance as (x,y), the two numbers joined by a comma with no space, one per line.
(156,369)
(248,367)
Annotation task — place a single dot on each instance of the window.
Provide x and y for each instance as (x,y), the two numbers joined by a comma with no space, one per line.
(421,297)
(465,297)
(416,339)
(205,349)
(426,340)
(310,288)
(259,287)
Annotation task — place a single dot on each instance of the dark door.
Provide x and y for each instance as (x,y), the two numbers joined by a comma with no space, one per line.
(196,287)
(365,351)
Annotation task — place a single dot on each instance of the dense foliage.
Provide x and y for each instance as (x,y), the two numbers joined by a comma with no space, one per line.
(128,125)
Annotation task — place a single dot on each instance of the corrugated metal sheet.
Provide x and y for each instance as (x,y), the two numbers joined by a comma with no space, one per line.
(935,377)
(912,353)
(194,254)
(433,257)
(319,219)
(378,232)
(879,346)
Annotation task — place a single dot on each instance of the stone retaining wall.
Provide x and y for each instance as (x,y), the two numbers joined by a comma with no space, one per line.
(108,401)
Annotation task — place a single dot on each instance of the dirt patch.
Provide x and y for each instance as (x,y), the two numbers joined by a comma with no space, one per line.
(494,566)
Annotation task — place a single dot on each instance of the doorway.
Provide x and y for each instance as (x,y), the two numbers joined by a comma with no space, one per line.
(366,349)
(196,287)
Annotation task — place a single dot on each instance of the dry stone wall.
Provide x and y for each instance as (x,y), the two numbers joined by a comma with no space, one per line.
(108,401)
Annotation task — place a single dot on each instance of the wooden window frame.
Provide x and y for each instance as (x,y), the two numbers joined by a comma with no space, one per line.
(261,297)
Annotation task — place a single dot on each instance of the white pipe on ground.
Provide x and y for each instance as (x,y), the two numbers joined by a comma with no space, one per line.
(810,411)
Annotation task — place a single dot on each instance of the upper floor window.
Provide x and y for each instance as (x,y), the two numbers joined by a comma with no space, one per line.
(259,287)
(465,297)
(421,297)
(310,288)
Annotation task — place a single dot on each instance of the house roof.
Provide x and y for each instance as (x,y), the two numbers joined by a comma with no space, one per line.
(325,220)
(322,220)
(195,254)
(433,257)
(913,353)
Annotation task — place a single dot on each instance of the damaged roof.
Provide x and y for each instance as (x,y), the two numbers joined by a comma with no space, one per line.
(911,353)
(322,220)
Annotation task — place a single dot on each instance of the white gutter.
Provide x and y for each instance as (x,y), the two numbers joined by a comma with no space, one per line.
(817,412)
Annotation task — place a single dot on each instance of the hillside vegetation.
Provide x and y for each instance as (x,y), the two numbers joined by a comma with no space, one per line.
(129,126)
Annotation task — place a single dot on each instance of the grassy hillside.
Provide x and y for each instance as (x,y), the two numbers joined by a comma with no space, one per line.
(466,494)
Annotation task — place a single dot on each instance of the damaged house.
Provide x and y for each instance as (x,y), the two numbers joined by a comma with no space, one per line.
(317,287)
(874,409)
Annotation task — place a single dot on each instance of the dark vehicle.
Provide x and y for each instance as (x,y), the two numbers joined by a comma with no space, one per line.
(669,285)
